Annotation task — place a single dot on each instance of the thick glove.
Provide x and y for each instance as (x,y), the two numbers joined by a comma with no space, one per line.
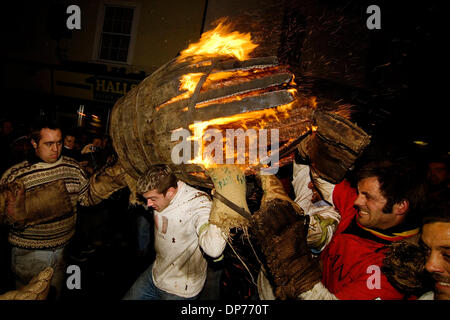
(273,189)
(404,266)
(41,204)
(12,202)
(333,148)
(36,289)
(281,228)
(106,181)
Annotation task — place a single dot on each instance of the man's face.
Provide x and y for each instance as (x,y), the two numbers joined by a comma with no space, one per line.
(69,142)
(437,172)
(157,200)
(97,142)
(7,128)
(50,146)
(370,203)
(436,240)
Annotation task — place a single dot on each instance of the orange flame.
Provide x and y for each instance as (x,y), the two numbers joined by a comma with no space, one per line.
(238,120)
(189,81)
(221,41)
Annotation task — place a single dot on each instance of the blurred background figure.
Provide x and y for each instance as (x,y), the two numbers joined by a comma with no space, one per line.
(69,149)
(438,175)
(6,139)
(92,157)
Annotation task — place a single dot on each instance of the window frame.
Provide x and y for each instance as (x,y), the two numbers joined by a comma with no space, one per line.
(99,31)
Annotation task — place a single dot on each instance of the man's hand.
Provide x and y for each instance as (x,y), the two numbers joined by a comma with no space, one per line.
(40,204)
(36,289)
(15,203)
(404,266)
(333,148)
(12,201)
(104,182)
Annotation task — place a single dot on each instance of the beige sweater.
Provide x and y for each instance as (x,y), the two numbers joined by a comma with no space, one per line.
(53,234)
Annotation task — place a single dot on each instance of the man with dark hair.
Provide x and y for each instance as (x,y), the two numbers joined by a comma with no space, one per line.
(182,234)
(402,188)
(382,209)
(40,197)
(435,239)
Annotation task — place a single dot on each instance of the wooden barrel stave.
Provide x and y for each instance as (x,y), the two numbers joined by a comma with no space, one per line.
(141,129)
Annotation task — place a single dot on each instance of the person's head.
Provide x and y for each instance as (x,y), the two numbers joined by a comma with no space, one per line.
(435,239)
(7,127)
(69,141)
(97,142)
(388,194)
(46,139)
(158,186)
(438,171)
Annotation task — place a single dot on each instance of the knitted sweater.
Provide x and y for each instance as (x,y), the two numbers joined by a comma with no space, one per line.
(33,173)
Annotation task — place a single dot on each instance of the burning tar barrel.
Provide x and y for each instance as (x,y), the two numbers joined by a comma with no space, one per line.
(213,84)
(183,113)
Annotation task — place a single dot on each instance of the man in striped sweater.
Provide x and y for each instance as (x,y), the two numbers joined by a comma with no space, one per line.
(52,185)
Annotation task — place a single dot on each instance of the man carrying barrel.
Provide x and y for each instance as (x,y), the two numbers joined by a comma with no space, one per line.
(182,235)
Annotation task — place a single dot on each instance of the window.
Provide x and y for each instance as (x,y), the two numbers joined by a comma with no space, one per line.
(116,33)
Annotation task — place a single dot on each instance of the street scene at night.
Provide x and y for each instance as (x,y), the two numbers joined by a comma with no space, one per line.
(231,155)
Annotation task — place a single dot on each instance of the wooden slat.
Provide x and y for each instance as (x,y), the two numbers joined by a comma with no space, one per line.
(260,102)
(255,84)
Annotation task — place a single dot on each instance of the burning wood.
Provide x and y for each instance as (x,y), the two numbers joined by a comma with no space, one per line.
(213,84)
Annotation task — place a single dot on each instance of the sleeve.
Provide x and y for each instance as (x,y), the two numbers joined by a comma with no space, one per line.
(322,227)
(343,198)
(369,287)
(324,219)
(363,288)
(368,280)
(300,180)
(318,292)
(102,184)
(210,237)
(84,198)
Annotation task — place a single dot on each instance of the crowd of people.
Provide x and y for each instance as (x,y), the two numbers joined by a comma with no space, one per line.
(382,232)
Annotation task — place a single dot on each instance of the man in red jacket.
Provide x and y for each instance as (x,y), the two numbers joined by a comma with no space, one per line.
(382,208)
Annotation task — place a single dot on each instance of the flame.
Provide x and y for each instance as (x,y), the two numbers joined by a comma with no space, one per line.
(262,117)
(189,81)
(221,41)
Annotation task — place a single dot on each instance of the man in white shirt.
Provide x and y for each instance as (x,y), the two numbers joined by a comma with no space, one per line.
(182,235)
